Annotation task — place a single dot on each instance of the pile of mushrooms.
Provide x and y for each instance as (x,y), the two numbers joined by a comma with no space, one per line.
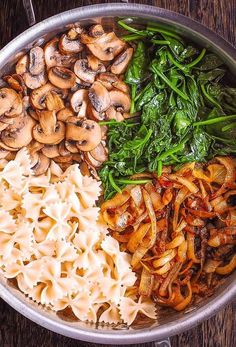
(54,101)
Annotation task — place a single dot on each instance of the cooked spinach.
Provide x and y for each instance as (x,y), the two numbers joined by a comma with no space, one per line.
(186,111)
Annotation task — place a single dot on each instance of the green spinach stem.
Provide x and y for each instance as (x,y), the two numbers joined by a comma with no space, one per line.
(214,120)
(113,184)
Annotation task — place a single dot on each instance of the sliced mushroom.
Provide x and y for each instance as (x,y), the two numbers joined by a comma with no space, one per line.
(49,131)
(6,120)
(99,97)
(79,102)
(71,146)
(8,148)
(34,146)
(106,47)
(35,81)
(63,150)
(96,30)
(121,62)
(36,61)
(87,133)
(100,153)
(120,104)
(42,165)
(34,114)
(64,114)
(22,65)
(10,103)
(84,169)
(68,45)
(54,102)
(38,96)
(19,134)
(93,114)
(82,70)
(3,126)
(54,58)
(95,64)
(77,157)
(11,156)
(16,82)
(51,151)
(64,159)
(91,161)
(80,85)
(3,153)
(111,81)
(74,32)
(61,77)
(34,158)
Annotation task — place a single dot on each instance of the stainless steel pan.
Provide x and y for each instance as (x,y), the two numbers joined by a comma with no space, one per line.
(169,322)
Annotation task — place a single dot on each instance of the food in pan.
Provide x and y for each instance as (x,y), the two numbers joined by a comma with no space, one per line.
(117,173)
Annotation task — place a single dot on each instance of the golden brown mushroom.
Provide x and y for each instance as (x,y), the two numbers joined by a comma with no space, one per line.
(36,61)
(106,47)
(54,101)
(111,81)
(10,103)
(71,146)
(63,150)
(35,81)
(18,134)
(95,64)
(82,70)
(3,153)
(121,62)
(68,45)
(54,58)
(49,131)
(99,97)
(22,65)
(16,82)
(42,165)
(64,114)
(50,151)
(91,161)
(100,153)
(86,133)
(79,102)
(120,104)
(61,77)
(93,114)
(39,95)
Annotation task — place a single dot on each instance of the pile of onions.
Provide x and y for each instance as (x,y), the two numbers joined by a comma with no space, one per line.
(180,229)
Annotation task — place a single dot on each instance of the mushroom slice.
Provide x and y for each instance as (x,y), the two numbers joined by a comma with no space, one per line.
(51,151)
(106,47)
(79,102)
(95,64)
(121,62)
(84,169)
(71,146)
(16,82)
(8,148)
(42,165)
(122,86)
(34,158)
(91,161)
(74,32)
(6,120)
(3,126)
(93,114)
(99,97)
(22,65)
(35,81)
(53,101)
(18,134)
(99,153)
(64,114)
(111,81)
(83,72)
(34,146)
(61,77)
(96,30)
(87,133)
(36,61)
(10,103)
(3,153)
(54,58)
(120,101)
(38,96)
(63,150)
(77,157)
(68,45)
(64,159)
(49,131)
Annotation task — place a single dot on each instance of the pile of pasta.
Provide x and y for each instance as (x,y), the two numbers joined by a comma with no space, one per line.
(180,229)
(53,244)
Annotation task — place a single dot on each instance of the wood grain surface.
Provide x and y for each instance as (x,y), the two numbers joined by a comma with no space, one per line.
(16,330)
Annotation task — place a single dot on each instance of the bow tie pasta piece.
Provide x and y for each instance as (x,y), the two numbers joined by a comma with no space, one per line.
(13,175)
(86,243)
(129,309)
(23,161)
(87,218)
(65,251)
(44,248)
(59,213)
(111,315)
(32,204)
(9,199)
(7,223)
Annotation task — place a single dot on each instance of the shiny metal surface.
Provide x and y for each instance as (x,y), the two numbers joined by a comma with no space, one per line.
(168,322)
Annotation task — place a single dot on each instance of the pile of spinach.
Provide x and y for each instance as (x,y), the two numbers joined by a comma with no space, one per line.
(183,109)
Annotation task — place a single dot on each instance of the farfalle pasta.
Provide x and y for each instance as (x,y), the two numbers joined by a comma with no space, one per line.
(52,243)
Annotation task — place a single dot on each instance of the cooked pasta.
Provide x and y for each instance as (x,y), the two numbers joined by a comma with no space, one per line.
(180,229)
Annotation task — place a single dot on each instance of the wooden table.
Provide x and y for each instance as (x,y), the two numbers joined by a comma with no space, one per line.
(16,330)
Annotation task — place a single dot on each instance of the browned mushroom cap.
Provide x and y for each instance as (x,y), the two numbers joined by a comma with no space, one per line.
(8,148)
(3,153)
(83,72)
(121,62)
(100,153)
(95,64)
(19,133)
(93,114)
(79,102)
(64,114)
(99,97)
(70,46)
(96,30)
(84,169)
(3,126)
(120,101)
(54,58)
(106,47)
(54,102)
(61,77)
(87,133)
(34,158)
(75,32)
(35,81)
(63,150)
(77,157)
(22,65)
(42,165)
(6,120)
(71,146)
(91,161)
(16,82)
(49,131)
(64,159)
(111,81)
(51,151)
(38,96)
(10,103)
(36,61)
(34,146)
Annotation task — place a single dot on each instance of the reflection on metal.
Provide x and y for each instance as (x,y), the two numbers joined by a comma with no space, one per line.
(163,343)
(29,11)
